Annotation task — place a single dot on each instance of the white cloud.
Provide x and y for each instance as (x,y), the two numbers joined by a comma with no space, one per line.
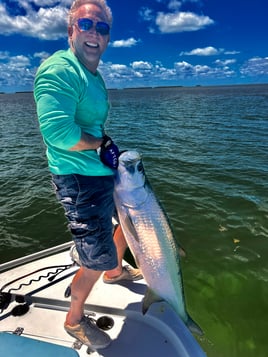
(50,3)
(225,62)
(46,23)
(146,14)
(19,62)
(54,19)
(41,55)
(206,51)
(175,21)
(256,66)
(181,22)
(16,71)
(183,66)
(141,73)
(119,67)
(125,43)
(4,55)
(174,5)
(115,73)
(186,70)
(141,65)
(21,69)
(231,52)
(138,74)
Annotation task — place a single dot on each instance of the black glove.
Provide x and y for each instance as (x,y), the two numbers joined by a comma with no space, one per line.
(109,153)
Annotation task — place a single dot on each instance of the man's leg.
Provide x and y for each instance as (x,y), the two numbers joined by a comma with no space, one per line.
(88,204)
(120,272)
(82,284)
(77,324)
(121,246)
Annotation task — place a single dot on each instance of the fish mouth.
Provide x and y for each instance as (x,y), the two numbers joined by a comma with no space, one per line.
(132,162)
(129,157)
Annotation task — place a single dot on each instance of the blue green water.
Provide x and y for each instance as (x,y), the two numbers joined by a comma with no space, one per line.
(205,153)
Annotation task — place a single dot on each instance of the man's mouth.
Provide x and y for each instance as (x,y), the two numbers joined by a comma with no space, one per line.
(92,45)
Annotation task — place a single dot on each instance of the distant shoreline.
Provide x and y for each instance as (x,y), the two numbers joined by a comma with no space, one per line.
(165,87)
(189,87)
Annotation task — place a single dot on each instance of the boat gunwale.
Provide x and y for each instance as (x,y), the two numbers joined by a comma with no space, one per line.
(35,256)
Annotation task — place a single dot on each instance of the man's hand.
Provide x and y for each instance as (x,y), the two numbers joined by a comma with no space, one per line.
(109,153)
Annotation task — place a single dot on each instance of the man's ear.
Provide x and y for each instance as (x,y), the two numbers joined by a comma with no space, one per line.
(70,31)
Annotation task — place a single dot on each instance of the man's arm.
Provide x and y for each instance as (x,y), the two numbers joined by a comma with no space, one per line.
(87,142)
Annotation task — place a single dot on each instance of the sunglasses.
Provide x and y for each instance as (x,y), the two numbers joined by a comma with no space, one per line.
(85,24)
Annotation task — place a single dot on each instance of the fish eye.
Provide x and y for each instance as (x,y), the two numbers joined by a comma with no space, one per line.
(130,169)
(134,166)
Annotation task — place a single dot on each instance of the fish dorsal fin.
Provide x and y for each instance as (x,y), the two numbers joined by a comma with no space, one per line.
(149,298)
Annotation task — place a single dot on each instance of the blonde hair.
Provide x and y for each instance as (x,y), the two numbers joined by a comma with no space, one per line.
(101,3)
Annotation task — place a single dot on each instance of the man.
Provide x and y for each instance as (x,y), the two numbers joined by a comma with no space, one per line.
(72,107)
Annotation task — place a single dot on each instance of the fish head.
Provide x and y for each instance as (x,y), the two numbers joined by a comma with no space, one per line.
(130,173)
(130,183)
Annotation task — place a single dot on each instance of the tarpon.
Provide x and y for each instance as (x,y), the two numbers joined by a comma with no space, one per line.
(149,237)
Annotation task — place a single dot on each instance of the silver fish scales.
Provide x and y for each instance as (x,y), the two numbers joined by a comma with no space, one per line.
(150,237)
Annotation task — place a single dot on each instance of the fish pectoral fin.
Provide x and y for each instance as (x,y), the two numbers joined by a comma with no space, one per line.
(182,252)
(149,298)
(130,227)
(193,327)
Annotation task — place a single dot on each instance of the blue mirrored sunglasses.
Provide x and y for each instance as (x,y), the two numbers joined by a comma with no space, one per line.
(86,24)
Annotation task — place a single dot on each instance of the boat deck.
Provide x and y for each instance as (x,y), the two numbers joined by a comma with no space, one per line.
(116,307)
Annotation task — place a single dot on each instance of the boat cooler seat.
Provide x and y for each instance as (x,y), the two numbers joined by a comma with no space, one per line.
(12,345)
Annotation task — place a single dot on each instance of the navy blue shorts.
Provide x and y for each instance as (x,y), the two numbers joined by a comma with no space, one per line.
(89,207)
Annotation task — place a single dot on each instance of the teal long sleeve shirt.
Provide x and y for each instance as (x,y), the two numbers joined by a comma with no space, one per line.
(69,99)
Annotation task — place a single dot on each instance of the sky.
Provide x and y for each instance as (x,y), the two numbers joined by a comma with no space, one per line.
(153,42)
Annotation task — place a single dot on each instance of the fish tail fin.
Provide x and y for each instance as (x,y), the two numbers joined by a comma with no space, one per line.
(149,298)
(193,327)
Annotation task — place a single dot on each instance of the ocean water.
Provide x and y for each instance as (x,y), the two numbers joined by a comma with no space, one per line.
(205,154)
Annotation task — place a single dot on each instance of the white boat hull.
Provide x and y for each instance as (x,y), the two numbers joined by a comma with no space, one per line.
(159,333)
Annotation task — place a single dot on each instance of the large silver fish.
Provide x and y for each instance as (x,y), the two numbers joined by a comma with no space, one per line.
(149,236)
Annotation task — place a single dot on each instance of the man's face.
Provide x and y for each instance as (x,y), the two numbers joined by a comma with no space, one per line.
(88,46)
